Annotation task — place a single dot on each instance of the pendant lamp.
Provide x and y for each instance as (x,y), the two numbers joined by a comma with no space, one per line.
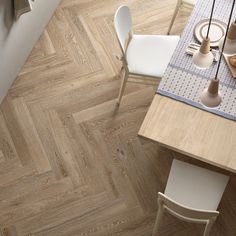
(211,96)
(203,58)
(230,44)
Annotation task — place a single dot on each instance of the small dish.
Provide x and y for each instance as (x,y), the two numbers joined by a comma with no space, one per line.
(231,68)
(232,61)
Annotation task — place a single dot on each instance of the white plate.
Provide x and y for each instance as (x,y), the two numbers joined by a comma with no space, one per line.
(217,31)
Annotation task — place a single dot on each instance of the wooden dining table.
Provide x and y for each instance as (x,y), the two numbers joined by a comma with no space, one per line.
(191,131)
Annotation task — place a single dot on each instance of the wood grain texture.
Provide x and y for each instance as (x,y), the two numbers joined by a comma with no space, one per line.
(191,131)
(71,162)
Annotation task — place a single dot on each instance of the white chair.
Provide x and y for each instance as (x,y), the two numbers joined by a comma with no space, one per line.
(145,55)
(180,3)
(192,194)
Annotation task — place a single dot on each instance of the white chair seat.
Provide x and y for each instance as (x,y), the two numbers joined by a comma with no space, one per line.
(195,187)
(150,54)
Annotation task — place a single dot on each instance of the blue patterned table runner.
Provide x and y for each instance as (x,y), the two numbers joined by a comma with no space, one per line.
(184,82)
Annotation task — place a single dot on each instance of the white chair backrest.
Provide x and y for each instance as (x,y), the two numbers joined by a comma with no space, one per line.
(194,186)
(192,194)
(123,25)
(185,213)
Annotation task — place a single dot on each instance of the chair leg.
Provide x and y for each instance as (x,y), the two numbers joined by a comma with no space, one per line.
(123,84)
(174,16)
(158,218)
(208,227)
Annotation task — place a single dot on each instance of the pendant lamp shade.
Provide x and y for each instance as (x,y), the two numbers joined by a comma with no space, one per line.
(230,44)
(211,96)
(203,58)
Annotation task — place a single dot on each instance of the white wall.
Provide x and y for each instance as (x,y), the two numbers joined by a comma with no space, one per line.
(17,38)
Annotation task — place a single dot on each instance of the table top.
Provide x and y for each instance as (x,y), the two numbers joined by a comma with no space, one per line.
(191,131)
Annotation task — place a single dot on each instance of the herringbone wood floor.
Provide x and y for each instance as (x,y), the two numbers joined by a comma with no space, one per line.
(70,161)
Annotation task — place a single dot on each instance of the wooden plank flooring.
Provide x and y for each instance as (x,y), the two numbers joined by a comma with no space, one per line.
(70,161)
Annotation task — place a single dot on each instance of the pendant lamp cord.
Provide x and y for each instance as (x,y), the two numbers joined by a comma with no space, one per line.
(209,25)
(221,53)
